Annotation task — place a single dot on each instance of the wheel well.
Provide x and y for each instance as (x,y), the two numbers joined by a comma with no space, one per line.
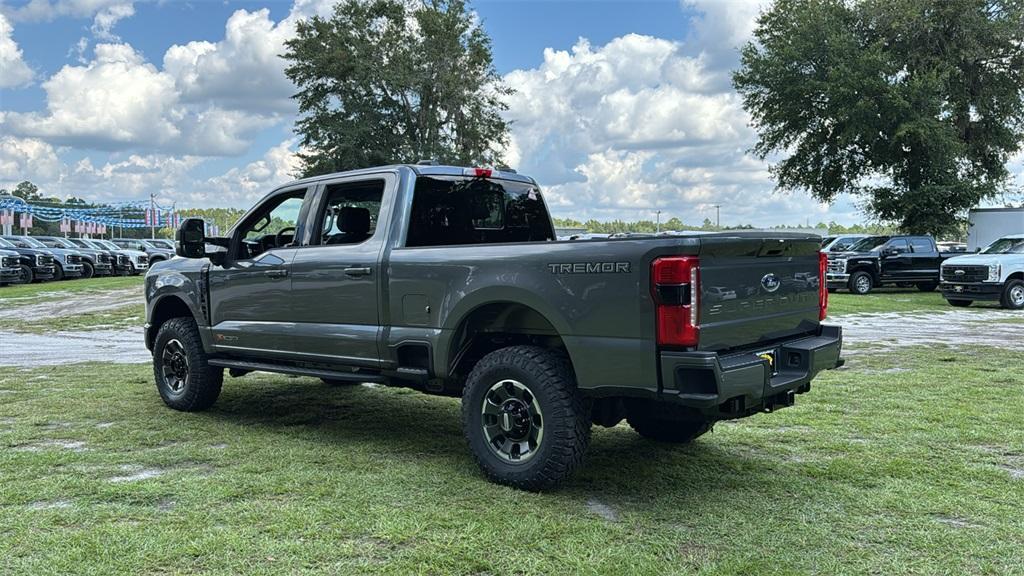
(167,308)
(497,325)
(1016,276)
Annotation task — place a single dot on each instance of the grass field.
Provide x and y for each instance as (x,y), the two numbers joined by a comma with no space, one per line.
(907,461)
(904,464)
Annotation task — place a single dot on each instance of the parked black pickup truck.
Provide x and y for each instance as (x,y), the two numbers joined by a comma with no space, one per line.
(36,264)
(450,280)
(877,261)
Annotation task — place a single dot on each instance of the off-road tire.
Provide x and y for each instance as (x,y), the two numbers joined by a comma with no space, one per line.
(202,386)
(1013,295)
(87,270)
(859,287)
(565,419)
(927,286)
(27,276)
(959,303)
(58,272)
(665,423)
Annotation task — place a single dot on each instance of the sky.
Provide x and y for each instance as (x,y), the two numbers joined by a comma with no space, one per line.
(620,109)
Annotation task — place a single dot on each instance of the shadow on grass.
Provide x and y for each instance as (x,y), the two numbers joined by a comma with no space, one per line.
(398,423)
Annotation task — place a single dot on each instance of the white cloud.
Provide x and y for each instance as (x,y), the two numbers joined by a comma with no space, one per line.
(643,123)
(105,13)
(107,17)
(26,159)
(243,186)
(13,70)
(244,70)
(119,101)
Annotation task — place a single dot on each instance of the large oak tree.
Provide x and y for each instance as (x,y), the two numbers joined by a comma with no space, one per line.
(915,105)
(385,81)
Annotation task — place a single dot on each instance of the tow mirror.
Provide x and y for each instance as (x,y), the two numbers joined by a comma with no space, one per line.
(190,239)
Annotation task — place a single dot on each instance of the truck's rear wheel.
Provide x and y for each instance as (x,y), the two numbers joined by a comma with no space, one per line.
(665,423)
(959,303)
(861,283)
(184,378)
(526,423)
(1013,295)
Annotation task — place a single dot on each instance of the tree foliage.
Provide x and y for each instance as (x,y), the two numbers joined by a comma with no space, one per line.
(386,81)
(915,105)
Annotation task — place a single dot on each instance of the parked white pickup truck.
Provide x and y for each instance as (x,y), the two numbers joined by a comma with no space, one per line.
(995,273)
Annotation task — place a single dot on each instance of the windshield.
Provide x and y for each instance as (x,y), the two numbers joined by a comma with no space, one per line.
(106,244)
(1005,246)
(6,244)
(870,243)
(32,242)
(158,243)
(62,242)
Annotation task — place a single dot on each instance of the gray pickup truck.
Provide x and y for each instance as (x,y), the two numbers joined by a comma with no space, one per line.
(449,280)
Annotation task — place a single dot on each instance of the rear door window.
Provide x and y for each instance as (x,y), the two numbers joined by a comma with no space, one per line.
(921,245)
(449,210)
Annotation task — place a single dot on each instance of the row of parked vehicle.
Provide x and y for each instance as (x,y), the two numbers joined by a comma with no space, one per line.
(27,259)
(861,263)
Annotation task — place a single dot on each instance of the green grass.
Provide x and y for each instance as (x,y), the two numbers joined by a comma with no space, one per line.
(894,300)
(908,463)
(17,294)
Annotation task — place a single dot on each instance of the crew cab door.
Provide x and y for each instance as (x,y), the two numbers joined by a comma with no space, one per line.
(250,303)
(896,260)
(336,277)
(926,259)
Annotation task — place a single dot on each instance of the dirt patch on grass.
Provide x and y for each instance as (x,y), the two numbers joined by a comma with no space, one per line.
(54,505)
(58,348)
(135,473)
(63,304)
(71,445)
(598,508)
(952,328)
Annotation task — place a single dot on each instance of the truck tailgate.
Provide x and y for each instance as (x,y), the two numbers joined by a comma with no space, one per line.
(757,290)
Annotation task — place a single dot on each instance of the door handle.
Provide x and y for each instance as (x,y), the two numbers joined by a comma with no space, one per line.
(276,273)
(358,271)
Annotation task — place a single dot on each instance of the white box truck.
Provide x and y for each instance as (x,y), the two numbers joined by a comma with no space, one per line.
(986,225)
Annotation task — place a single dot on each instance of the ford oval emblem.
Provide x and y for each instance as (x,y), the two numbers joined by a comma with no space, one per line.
(770,282)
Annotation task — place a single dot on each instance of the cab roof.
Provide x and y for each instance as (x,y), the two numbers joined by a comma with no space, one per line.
(418,170)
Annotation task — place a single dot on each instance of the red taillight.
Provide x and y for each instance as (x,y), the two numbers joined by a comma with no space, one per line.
(482,172)
(822,285)
(675,285)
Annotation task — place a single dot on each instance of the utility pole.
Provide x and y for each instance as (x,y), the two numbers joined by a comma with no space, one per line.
(658,225)
(718,216)
(152,215)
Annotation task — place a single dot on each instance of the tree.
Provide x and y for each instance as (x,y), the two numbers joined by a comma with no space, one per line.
(914,104)
(386,81)
(27,191)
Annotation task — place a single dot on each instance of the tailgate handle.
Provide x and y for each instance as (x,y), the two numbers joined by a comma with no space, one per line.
(358,271)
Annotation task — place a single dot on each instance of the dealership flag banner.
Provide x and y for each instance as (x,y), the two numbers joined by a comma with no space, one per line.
(26,220)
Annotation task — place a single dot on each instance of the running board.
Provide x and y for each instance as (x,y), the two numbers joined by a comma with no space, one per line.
(296,370)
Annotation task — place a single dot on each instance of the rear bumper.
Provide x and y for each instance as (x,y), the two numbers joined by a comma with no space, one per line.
(975,291)
(739,384)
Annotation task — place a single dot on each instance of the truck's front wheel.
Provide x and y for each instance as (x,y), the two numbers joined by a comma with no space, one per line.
(1013,295)
(184,378)
(861,283)
(526,423)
